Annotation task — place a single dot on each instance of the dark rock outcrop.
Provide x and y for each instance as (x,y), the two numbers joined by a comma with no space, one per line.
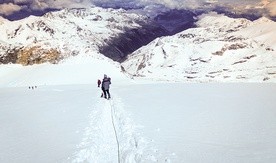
(119,47)
(10,56)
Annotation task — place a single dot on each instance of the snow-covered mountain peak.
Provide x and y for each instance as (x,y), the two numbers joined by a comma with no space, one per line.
(69,31)
(221,22)
(95,14)
(90,18)
(263,20)
(220,49)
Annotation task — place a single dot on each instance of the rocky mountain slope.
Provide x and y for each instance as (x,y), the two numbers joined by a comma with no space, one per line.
(219,49)
(69,32)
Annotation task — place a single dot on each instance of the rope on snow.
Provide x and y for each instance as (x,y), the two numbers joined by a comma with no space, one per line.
(116,135)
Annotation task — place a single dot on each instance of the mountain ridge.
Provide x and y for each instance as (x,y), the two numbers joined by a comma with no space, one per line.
(219,49)
(73,31)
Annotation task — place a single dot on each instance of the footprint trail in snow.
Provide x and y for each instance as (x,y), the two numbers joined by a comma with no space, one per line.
(111,136)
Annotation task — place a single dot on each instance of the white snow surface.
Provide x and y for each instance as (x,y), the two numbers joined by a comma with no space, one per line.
(153,122)
(220,49)
(65,120)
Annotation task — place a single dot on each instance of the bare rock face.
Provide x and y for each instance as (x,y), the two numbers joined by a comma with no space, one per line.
(38,55)
(29,55)
(9,54)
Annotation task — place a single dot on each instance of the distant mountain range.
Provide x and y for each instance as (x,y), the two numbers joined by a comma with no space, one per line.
(175,45)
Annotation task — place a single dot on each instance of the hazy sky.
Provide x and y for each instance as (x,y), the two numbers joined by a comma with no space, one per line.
(8,7)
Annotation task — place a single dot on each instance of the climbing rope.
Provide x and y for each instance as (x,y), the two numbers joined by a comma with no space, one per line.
(116,135)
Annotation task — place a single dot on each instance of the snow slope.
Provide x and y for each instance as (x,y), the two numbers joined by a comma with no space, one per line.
(65,124)
(231,123)
(219,49)
(65,120)
(76,70)
(154,123)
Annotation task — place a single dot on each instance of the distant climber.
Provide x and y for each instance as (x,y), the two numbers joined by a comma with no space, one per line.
(99,82)
(105,86)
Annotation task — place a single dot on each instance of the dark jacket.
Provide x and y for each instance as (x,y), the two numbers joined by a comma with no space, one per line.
(105,83)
